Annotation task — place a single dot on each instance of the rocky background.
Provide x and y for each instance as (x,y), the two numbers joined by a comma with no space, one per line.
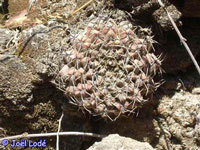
(31,43)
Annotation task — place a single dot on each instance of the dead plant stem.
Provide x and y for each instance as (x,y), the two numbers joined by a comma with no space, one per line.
(59,127)
(86,4)
(26,135)
(182,39)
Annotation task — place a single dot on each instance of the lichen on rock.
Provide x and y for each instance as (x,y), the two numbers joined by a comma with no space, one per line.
(6,36)
(179,118)
(15,79)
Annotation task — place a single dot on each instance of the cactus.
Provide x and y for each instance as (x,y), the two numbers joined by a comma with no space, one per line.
(109,70)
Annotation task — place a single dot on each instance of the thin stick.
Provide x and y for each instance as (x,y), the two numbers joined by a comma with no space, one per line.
(183,40)
(82,7)
(59,127)
(31,2)
(26,135)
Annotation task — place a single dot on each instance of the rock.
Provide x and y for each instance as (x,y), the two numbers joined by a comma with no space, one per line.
(116,142)
(178,119)
(5,37)
(196,90)
(18,74)
(162,19)
(15,79)
(38,115)
(35,51)
(27,103)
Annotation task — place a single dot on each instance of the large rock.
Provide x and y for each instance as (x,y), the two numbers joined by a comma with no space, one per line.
(179,121)
(116,142)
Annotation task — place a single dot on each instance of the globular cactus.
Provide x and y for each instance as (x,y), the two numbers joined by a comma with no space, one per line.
(109,70)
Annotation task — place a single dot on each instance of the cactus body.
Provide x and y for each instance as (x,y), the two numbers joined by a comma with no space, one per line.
(109,70)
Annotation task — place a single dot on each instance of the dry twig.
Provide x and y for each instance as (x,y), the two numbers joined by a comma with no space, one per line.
(182,39)
(31,3)
(59,127)
(86,4)
(26,135)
